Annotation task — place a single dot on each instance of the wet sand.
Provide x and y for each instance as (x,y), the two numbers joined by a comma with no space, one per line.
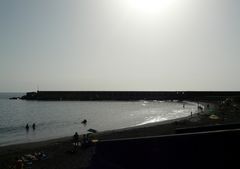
(59,151)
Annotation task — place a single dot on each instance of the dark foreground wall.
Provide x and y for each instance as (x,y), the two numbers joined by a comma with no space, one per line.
(213,150)
(126,95)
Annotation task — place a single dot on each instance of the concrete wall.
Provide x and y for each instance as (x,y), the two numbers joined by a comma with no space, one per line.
(215,150)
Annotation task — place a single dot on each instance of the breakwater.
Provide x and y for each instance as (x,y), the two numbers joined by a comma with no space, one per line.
(129,95)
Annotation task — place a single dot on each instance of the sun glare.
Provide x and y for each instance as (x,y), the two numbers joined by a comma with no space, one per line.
(151,6)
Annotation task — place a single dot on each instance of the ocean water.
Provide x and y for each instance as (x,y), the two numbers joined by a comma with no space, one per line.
(56,119)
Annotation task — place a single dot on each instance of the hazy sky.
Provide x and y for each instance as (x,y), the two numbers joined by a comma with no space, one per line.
(119,45)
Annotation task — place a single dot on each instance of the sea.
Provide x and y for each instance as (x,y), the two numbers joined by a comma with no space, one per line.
(55,119)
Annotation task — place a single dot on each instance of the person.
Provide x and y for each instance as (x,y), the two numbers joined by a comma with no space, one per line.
(19,164)
(27,126)
(34,126)
(208,106)
(76,139)
(191,113)
(86,140)
(84,122)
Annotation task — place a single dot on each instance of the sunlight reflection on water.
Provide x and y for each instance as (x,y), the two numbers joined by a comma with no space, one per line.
(153,120)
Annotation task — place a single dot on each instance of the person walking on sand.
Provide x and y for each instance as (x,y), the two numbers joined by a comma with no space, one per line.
(33,126)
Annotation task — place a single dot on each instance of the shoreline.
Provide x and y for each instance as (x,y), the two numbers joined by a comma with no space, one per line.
(59,150)
(153,129)
(125,129)
(138,127)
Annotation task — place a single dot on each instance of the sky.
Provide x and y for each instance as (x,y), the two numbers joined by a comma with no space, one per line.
(109,45)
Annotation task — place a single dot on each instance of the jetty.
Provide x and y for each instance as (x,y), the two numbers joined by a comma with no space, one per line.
(130,95)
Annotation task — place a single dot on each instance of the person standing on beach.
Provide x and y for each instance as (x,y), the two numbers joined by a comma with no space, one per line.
(33,126)
(76,139)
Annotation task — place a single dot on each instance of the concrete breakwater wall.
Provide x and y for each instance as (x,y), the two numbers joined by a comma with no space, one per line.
(128,95)
(209,149)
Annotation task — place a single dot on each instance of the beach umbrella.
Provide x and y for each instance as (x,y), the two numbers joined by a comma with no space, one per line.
(92,130)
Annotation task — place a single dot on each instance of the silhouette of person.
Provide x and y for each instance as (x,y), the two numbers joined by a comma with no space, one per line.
(34,126)
(27,127)
(84,122)
(76,139)
(208,106)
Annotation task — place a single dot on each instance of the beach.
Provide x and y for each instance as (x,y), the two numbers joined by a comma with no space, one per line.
(56,119)
(59,152)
